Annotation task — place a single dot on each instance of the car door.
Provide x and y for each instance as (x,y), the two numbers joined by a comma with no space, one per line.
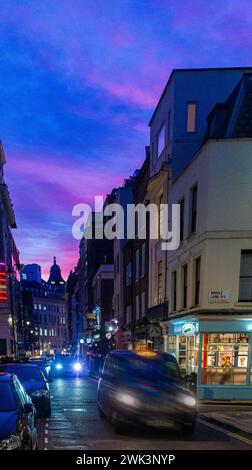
(107,385)
(26,419)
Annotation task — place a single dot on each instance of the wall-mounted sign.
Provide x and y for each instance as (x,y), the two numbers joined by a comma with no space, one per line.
(3,283)
(188,329)
(219,295)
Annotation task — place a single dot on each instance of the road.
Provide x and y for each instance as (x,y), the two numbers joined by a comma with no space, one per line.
(75,424)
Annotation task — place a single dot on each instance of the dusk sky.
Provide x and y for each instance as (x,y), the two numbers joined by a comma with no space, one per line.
(79,81)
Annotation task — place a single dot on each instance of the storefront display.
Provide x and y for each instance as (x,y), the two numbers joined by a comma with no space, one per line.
(219,352)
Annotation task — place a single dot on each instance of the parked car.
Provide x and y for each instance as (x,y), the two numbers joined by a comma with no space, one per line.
(34,383)
(43,364)
(68,366)
(145,387)
(17,416)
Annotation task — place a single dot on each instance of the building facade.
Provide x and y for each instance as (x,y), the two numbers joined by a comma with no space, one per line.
(11,323)
(209,276)
(45,319)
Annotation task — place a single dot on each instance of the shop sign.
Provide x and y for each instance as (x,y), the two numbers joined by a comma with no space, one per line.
(219,295)
(188,329)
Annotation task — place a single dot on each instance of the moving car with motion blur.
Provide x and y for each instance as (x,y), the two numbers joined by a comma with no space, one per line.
(34,383)
(43,364)
(17,416)
(68,366)
(145,387)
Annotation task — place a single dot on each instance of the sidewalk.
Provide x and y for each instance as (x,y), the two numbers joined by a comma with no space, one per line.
(235,420)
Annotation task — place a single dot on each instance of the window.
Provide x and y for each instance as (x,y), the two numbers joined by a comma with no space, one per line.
(191,117)
(225,358)
(143,304)
(153,150)
(169,126)
(197,282)
(129,274)
(160,216)
(161,140)
(160,282)
(174,290)
(182,218)
(245,288)
(185,281)
(137,308)
(128,315)
(137,265)
(194,192)
(143,260)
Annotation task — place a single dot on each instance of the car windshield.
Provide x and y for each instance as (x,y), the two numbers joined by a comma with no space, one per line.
(150,369)
(26,373)
(7,400)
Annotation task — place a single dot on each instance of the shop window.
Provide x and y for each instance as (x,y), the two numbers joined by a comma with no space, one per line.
(172,345)
(245,287)
(224,358)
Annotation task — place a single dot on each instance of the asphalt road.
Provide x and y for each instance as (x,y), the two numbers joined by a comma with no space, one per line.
(75,424)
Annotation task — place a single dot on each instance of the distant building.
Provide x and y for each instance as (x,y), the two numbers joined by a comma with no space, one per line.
(45,319)
(135,261)
(31,273)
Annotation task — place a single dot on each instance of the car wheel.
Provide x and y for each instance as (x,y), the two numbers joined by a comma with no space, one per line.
(188,429)
(118,426)
(46,413)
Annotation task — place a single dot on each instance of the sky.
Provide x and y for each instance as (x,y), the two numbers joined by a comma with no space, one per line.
(79,80)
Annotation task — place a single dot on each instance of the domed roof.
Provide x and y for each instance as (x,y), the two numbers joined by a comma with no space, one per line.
(55,277)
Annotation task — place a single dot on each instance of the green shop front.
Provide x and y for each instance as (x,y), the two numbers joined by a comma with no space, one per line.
(219,350)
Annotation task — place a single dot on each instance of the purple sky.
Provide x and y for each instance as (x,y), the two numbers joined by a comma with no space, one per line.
(79,81)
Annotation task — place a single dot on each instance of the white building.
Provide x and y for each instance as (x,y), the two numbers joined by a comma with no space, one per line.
(209,277)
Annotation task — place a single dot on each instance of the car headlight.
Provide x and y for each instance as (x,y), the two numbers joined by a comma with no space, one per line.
(58,366)
(40,393)
(187,400)
(77,366)
(127,399)
(12,443)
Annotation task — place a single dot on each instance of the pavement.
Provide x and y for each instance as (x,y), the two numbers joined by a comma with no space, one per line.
(232,419)
(75,424)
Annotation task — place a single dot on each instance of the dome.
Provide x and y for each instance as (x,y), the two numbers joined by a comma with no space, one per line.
(55,277)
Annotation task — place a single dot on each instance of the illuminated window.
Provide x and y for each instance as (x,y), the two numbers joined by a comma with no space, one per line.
(191,117)
(225,358)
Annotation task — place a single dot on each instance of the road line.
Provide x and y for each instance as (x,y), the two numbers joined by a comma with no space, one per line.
(228,433)
(46,431)
(46,440)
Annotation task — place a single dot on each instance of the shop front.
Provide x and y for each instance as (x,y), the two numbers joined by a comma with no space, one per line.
(219,350)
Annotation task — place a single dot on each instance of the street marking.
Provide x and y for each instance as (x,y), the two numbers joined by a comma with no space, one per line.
(228,433)
(47,425)
(46,440)
(46,431)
